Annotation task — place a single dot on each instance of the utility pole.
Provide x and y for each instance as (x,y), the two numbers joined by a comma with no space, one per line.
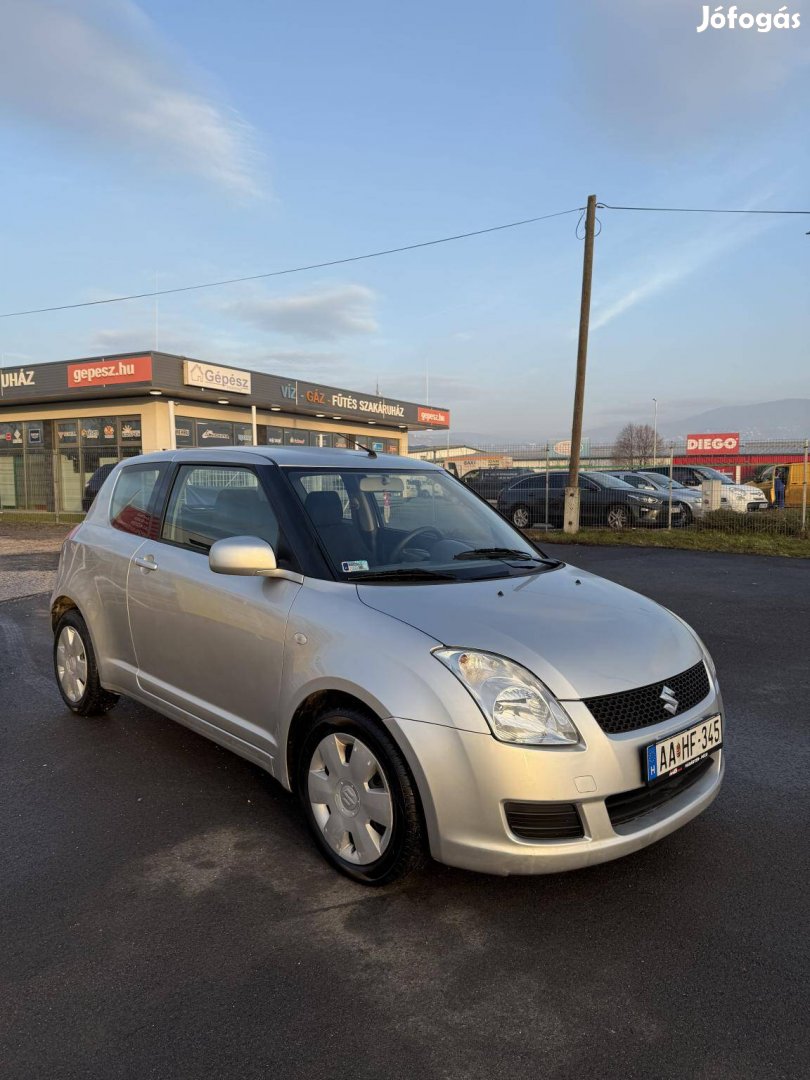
(571,517)
(655,433)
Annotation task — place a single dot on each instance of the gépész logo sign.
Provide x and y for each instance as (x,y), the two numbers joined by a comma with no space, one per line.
(211,377)
(731,18)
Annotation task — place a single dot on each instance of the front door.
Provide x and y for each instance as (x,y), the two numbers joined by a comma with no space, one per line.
(209,644)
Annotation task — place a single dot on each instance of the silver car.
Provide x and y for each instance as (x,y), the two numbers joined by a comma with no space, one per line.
(421,675)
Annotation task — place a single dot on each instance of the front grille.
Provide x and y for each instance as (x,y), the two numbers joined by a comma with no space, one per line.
(632,804)
(632,709)
(544,821)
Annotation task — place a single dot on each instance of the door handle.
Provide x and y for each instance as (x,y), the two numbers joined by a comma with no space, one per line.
(146,563)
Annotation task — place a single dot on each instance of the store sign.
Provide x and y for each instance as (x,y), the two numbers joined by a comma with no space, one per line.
(727,442)
(130,429)
(214,433)
(21,377)
(435,417)
(35,434)
(11,435)
(67,432)
(183,431)
(220,379)
(134,369)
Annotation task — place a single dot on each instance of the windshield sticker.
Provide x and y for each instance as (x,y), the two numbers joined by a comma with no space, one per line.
(357,564)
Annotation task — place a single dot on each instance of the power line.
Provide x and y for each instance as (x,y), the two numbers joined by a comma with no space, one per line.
(290,270)
(695,210)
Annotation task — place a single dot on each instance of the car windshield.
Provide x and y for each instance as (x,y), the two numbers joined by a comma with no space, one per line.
(409,526)
(606,480)
(715,474)
(662,482)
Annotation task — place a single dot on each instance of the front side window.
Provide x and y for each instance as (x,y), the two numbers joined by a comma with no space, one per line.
(410,526)
(131,509)
(211,502)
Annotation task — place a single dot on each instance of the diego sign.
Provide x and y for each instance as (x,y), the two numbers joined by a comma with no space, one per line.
(726,442)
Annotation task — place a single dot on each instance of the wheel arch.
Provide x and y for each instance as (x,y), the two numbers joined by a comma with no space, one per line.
(60,606)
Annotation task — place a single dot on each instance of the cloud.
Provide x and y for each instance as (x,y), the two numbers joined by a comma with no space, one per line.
(96,69)
(679,261)
(321,314)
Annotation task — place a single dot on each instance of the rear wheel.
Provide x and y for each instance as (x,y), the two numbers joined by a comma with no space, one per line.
(359,799)
(619,517)
(521,517)
(76,670)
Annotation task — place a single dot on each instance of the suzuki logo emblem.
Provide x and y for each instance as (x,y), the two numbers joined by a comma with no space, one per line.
(667,695)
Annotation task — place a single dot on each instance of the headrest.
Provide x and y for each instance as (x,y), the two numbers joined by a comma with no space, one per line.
(324,507)
(231,500)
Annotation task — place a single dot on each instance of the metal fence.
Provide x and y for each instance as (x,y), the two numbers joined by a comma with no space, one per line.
(760,488)
(53,485)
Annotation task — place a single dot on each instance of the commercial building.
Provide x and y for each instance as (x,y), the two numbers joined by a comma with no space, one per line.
(60,422)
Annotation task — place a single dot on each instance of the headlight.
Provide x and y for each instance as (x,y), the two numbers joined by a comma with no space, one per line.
(648,499)
(517,707)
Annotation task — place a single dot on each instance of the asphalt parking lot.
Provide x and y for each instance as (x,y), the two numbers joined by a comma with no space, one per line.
(163,914)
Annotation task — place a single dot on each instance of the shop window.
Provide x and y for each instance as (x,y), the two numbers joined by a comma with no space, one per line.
(214,433)
(183,431)
(130,429)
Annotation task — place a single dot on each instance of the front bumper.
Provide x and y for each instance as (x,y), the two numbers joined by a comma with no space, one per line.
(465,779)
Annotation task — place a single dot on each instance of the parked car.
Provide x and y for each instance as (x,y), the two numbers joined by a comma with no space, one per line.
(738,497)
(489,483)
(439,685)
(93,485)
(793,478)
(604,500)
(688,501)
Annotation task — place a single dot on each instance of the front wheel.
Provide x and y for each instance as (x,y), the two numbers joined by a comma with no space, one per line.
(619,517)
(76,670)
(521,517)
(686,516)
(359,799)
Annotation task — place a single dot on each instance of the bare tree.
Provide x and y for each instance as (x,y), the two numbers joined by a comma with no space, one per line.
(635,446)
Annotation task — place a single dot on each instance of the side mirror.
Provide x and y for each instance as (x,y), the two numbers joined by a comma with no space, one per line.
(246,556)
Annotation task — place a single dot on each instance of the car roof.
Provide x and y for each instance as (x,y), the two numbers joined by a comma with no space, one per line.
(291,457)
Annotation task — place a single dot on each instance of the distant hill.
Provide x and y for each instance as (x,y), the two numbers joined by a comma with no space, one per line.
(786,419)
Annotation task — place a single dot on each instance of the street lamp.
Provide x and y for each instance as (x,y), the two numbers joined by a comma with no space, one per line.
(655,432)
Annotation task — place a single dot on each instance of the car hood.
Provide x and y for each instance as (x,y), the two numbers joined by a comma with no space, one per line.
(580,634)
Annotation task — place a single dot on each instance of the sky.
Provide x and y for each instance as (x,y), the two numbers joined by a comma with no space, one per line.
(177,142)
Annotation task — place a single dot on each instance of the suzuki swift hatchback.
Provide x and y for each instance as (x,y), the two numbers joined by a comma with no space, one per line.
(422,676)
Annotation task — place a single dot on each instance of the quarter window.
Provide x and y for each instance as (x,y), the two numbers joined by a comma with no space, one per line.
(211,502)
(131,508)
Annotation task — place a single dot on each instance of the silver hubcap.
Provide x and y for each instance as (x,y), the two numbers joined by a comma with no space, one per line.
(521,518)
(71,664)
(350,799)
(617,518)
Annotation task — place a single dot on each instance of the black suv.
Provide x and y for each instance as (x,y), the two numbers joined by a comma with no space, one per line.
(488,483)
(603,500)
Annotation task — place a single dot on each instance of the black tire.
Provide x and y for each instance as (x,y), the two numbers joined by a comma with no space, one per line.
(92,699)
(686,516)
(406,845)
(520,516)
(618,517)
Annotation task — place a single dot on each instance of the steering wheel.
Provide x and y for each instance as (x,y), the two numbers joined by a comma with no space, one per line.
(424,530)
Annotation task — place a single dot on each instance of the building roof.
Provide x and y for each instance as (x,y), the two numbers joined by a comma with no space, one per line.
(186,379)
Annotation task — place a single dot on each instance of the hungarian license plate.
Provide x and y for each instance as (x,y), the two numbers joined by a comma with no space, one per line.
(683,750)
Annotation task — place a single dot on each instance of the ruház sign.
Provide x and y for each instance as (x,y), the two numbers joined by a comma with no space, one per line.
(727,442)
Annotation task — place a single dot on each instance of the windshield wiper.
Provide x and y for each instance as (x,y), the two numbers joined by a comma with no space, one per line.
(403,574)
(497,553)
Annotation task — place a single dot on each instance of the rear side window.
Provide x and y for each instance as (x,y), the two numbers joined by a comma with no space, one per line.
(212,502)
(530,483)
(131,506)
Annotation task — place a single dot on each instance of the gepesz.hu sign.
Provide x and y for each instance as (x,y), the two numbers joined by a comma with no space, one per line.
(726,442)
